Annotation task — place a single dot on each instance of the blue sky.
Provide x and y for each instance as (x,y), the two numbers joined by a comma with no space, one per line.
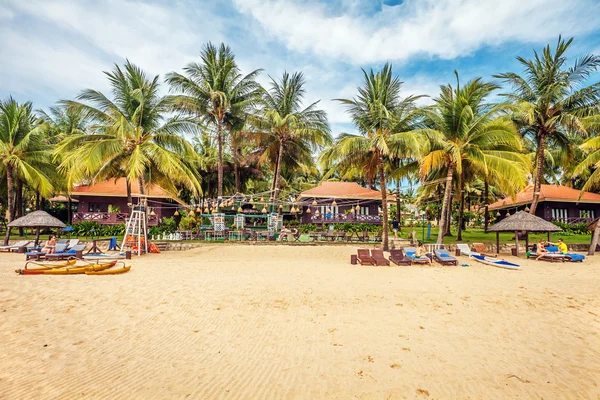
(50,50)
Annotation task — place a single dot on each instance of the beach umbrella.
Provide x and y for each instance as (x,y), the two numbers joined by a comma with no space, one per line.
(37,219)
(522,221)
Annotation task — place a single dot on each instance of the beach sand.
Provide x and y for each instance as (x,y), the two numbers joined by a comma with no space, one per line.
(300,322)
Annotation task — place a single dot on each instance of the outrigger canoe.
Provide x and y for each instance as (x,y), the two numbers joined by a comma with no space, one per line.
(109,271)
(495,262)
(42,266)
(67,271)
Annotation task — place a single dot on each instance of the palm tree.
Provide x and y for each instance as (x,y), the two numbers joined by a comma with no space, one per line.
(288,132)
(217,92)
(24,156)
(465,134)
(130,136)
(385,122)
(550,99)
(590,168)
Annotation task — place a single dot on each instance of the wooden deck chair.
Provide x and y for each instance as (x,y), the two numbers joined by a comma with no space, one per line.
(379,258)
(364,257)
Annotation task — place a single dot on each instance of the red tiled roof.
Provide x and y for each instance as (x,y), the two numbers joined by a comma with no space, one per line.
(547,193)
(118,188)
(342,190)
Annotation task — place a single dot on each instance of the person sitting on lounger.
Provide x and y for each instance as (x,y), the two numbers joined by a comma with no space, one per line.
(541,249)
(284,231)
(562,247)
(421,253)
(50,245)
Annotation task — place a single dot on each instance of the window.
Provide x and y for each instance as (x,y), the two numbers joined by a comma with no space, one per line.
(364,210)
(586,214)
(560,214)
(97,207)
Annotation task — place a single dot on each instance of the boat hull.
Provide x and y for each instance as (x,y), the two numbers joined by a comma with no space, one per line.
(495,262)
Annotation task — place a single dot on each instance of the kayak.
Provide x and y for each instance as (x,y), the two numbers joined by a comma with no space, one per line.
(495,262)
(67,271)
(109,271)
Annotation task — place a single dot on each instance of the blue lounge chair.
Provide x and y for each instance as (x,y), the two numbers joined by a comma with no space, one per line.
(411,253)
(60,248)
(16,246)
(443,257)
(72,252)
(573,257)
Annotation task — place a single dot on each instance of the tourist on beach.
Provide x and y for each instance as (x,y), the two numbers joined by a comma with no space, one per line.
(50,245)
(284,231)
(421,252)
(562,247)
(395,227)
(541,249)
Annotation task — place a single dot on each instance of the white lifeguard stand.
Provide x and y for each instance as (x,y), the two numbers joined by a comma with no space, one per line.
(137,227)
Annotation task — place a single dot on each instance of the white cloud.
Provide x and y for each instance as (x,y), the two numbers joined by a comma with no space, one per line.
(438,28)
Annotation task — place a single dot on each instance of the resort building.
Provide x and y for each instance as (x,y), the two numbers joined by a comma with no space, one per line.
(556,203)
(106,202)
(339,202)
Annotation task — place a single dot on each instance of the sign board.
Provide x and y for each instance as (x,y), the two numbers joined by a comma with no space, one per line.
(219,222)
(239,221)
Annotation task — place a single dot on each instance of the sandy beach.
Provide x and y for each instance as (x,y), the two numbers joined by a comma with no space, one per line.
(300,322)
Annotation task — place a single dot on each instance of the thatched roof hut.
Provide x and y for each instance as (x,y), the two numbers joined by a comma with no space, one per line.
(522,222)
(37,219)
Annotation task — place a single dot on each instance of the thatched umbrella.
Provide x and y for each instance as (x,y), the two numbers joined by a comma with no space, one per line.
(519,222)
(37,219)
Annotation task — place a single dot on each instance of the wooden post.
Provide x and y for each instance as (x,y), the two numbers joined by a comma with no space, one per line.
(549,233)
(498,242)
(517,243)
(526,241)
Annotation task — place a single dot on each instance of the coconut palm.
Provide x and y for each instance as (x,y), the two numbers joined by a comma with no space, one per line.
(466,135)
(24,155)
(130,136)
(590,168)
(217,92)
(550,99)
(384,121)
(287,132)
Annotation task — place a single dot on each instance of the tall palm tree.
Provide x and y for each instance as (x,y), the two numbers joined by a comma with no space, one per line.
(385,122)
(24,156)
(130,136)
(550,99)
(465,134)
(217,92)
(590,168)
(287,130)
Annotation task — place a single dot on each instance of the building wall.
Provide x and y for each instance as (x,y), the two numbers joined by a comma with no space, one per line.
(101,204)
(544,210)
(371,206)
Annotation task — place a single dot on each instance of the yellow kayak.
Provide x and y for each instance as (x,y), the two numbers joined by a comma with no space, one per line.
(66,271)
(109,271)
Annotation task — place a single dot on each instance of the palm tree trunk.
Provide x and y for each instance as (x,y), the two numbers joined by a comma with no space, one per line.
(595,237)
(445,205)
(128,186)
(236,168)
(277,172)
(486,215)
(19,210)
(398,205)
(449,216)
(461,211)
(142,183)
(10,201)
(69,208)
(220,166)
(539,172)
(384,206)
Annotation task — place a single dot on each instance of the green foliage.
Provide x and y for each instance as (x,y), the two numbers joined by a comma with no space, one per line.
(166,225)
(187,223)
(572,229)
(92,228)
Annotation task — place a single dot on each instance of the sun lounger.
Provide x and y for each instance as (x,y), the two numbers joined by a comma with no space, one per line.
(554,256)
(16,246)
(38,255)
(464,249)
(72,242)
(364,257)
(399,258)
(480,248)
(72,252)
(411,252)
(443,257)
(379,258)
